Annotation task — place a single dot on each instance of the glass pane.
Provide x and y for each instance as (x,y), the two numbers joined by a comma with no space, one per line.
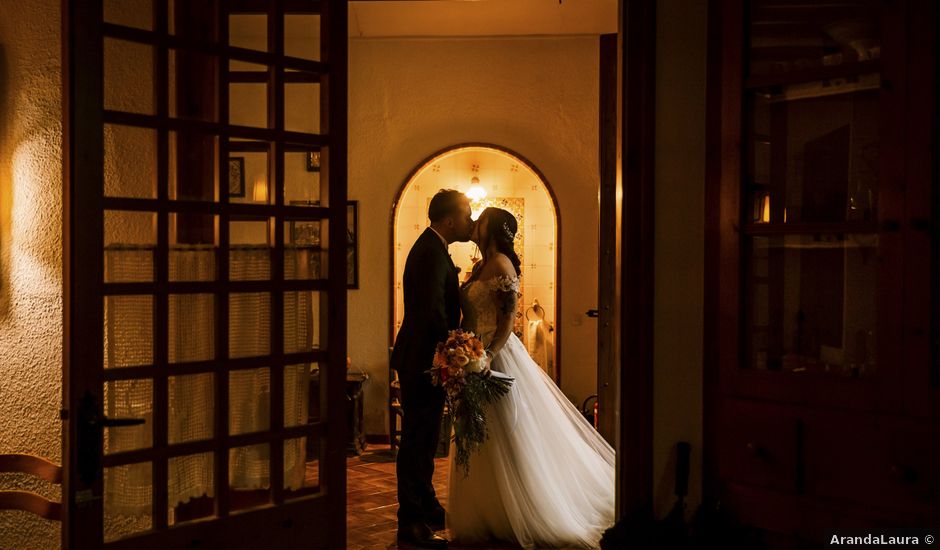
(301,102)
(786,38)
(193,246)
(192,327)
(129,241)
(249,475)
(194,166)
(249,326)
(128,76)
(304,316)
(130,160)
(248,31)
(301,471)
(130,13)
(246,71)
(128,331)
(248,104)
(305,256)
(302,36)
(192,78)
(191,407)
(128,493)
(190,487)
(250,249)
(128,399)
(817,158)
(297,386)
(302,178)
(811,303)
(249,400)
(248,180)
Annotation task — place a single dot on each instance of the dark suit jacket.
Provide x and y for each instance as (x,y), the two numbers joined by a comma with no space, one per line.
(432,304)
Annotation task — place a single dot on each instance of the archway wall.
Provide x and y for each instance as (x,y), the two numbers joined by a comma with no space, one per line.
(496,177)
(412,97)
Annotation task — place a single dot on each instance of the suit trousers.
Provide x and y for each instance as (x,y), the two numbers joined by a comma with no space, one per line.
(422,406)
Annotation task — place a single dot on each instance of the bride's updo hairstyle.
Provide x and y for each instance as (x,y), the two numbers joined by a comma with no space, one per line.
(501,229)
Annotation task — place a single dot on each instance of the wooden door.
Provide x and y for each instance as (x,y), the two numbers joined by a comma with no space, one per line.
(203,282)
(818,294)
(607,291)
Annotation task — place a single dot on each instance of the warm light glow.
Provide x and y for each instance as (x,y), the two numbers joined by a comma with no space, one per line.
(32,271)
(508,183)
(765,210)
(260,191)
(784,214)
(476,193)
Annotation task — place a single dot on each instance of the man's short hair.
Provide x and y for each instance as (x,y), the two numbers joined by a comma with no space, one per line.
(445,203)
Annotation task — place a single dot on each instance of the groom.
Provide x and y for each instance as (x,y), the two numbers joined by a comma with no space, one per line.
(432,308)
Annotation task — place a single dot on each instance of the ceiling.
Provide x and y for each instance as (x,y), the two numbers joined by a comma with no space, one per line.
(435,18)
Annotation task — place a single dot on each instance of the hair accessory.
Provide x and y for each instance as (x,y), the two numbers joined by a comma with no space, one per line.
(509,234)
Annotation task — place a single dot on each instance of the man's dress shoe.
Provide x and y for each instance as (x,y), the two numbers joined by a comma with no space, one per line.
(420,535)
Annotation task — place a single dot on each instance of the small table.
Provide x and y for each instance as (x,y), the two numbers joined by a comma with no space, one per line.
(355,421)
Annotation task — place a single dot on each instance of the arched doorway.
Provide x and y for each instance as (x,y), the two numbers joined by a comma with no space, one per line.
(491,176)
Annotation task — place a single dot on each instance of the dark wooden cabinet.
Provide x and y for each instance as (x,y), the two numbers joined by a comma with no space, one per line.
(822,255)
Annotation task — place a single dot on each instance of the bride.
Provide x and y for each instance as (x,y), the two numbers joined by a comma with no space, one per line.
(545,477)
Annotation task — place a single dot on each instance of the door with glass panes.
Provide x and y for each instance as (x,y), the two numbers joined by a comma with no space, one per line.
(820,191)
(205,277)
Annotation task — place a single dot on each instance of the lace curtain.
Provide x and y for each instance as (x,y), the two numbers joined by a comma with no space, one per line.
(129,342)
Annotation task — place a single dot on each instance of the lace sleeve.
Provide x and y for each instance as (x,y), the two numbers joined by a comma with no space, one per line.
(507,292)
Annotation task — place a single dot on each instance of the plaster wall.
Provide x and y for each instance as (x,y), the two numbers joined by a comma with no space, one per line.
(30,254)
(409,98)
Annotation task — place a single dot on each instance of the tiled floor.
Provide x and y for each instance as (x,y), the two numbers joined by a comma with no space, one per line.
(372,502)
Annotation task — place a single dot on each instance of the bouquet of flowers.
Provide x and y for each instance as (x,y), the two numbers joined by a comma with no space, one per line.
(458,365)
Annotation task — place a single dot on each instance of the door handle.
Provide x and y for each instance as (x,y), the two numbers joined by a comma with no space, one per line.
(592,313)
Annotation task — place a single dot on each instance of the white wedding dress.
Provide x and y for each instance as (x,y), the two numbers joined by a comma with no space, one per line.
(545,476)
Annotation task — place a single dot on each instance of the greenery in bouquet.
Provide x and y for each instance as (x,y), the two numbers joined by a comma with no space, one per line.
(458,368)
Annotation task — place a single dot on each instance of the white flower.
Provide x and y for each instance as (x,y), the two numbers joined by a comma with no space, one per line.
(474,366)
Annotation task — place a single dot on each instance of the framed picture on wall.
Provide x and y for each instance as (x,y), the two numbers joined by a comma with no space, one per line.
(352,244)
(236,176)
(313,161)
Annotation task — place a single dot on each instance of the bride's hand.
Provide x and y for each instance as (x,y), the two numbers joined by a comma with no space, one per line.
(487,360)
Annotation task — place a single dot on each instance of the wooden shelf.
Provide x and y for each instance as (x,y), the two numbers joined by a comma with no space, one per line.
(812,74)
(798,228)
